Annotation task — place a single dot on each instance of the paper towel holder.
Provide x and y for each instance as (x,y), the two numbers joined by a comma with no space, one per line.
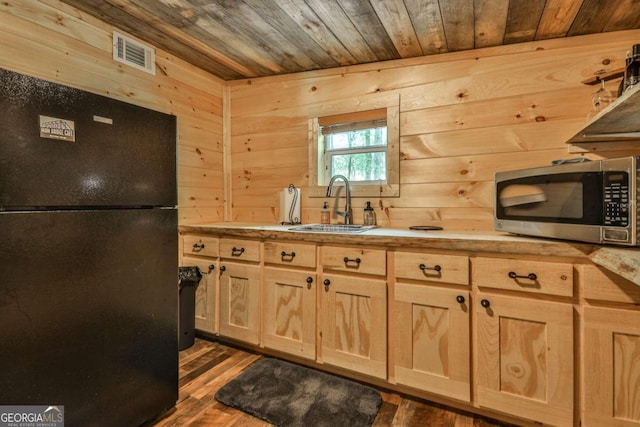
(290,206)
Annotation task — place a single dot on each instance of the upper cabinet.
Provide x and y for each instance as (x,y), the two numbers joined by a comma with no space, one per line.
(618,122)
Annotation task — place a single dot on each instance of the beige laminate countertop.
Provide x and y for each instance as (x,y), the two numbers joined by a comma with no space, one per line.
(622,261)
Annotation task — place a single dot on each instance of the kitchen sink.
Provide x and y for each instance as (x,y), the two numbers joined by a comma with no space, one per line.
(333,228)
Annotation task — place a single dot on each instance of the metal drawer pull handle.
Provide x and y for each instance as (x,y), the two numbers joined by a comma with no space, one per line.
(424,267)
(237,252)
(292,255)
(530,276)
(348,260)
(460,299)
(485,303)
(198,246)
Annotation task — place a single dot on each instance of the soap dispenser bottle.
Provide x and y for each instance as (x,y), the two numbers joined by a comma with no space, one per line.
(325,214)
(369,215)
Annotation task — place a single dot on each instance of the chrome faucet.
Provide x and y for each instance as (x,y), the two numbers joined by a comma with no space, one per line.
(348,217)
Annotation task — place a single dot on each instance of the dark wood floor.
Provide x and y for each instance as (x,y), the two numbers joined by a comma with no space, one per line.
(207,366)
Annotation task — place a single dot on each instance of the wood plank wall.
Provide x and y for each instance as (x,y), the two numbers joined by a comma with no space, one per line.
(463,116)
(50,40)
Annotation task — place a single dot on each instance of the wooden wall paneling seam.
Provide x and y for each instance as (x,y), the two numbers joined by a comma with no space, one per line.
(227,165)
(391,333)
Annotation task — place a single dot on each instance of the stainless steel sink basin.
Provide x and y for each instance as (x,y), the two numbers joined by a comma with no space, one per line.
(333,228)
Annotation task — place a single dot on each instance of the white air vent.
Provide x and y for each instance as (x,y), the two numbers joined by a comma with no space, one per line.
(133,53)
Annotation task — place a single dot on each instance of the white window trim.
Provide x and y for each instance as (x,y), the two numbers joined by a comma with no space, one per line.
(390,188)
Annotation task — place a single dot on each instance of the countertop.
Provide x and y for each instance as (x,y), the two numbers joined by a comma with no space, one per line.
(620,260)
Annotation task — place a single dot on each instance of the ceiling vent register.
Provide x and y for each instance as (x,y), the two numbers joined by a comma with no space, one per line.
(133,53)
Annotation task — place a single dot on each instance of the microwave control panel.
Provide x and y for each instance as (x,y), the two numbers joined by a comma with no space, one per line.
(616,199)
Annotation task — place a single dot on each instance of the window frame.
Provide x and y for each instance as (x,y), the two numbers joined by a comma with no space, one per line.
(390,188)
(351,122)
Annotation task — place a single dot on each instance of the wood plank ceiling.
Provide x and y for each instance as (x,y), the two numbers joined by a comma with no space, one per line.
(235,39)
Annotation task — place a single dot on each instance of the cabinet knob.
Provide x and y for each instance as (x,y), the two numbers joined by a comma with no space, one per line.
(309,279)
(198,246)
(530,276)
(211,268)
(424,267)
(460,299)
(237,251)
(223,268)
(485,303)
(326,282)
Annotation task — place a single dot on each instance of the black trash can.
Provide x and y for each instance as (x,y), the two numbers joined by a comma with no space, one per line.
(189,278)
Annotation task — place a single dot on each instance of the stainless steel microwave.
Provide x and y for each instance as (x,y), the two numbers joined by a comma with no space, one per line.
(594,201)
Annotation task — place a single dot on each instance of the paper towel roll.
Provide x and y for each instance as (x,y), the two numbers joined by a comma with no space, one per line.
(290,205)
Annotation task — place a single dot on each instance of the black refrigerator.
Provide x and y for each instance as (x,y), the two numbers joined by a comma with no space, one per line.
(88,254)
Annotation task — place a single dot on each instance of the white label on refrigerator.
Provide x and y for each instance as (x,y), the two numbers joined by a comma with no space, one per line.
(54,128)
(101,119)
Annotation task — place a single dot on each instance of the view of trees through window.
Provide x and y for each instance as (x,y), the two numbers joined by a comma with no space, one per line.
(359,154)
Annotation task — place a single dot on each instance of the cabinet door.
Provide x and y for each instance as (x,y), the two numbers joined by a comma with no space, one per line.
(611,367)
(206,294)
(289,323)
(354,324)
(525,357)
(239,301)
(431,329)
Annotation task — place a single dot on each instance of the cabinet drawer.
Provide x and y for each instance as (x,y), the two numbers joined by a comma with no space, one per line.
(553,278)
(243,250)
(200,245)
(602,285)
(292,254)
(357,260)
(432,267)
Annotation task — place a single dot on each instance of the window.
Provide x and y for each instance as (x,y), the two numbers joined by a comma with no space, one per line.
(354,145)
(363,146)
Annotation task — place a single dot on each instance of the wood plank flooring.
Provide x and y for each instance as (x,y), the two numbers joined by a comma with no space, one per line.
(207,366)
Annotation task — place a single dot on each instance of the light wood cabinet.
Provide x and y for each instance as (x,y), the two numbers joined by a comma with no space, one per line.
(432,346)
(538,277)
(431,267)
(524,351)
(200,246)
(611,350)
(206,293)
(289,299)
(289,320)
(202,251)
(611,367)
(289,254)
(601,285)
(354,260)
(431,323)
(354,323)
(240,250)
(240,301)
